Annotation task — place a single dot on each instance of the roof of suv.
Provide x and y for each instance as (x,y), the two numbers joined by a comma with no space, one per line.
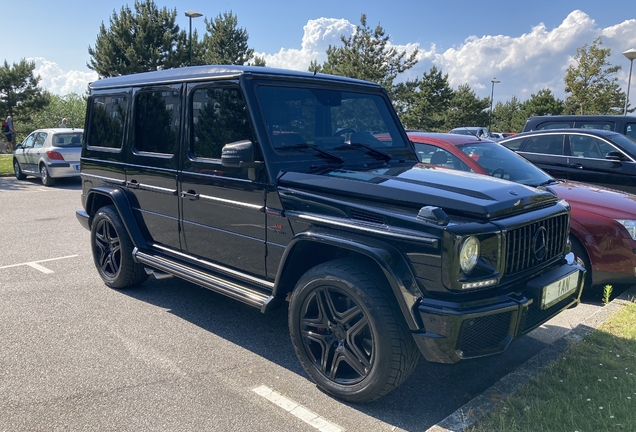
(596,132)
(196,73)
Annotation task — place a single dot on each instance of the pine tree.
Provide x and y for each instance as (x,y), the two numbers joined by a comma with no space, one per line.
(225,43)
(365,55)
(147,39)
(20,95)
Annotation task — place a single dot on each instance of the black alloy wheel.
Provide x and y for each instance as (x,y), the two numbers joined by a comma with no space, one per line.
(348,332)
(112,251)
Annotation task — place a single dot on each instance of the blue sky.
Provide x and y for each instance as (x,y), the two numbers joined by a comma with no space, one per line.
(527,46)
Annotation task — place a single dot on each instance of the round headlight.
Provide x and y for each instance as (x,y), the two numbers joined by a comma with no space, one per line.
(469,254)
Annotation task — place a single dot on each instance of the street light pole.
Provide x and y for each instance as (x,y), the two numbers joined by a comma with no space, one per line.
(492,93)
(192,14)
(631,55)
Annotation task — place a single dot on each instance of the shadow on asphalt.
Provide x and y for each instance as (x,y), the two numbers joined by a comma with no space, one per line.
(12,184)
(433,391)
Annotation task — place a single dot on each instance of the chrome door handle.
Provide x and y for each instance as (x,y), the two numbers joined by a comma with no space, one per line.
(191,195)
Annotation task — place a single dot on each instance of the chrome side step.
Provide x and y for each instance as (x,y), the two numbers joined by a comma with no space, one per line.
(167,267)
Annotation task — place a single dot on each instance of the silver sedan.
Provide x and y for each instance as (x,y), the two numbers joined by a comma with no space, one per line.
(49,154)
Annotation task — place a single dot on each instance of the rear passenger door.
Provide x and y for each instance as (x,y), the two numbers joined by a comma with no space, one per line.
(151,171)
(547,152)
(222,208)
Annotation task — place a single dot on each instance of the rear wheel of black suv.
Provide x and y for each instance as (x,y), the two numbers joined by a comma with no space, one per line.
(349,333)
(112,251)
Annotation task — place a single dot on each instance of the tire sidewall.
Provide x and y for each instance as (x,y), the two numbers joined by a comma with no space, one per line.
(381,357)
(127,275)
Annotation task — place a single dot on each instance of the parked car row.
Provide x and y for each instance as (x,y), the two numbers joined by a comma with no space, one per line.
(603,221)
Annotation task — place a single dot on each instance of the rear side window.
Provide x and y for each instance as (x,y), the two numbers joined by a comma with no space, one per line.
(603,125)
(545,144)
(106,123)
(157,121)
(554,125)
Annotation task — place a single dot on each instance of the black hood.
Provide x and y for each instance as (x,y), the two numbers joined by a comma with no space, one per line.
(420,185)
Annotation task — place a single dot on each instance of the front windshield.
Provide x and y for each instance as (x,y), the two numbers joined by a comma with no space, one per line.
(328,119)
(504,163)
(626,143)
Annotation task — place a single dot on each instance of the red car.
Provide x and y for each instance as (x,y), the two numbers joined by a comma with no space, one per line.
(603,221)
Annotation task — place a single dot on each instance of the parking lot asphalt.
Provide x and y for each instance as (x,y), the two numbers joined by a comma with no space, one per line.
(169,355)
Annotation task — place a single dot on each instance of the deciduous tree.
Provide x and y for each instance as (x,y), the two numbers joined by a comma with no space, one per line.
(71,106)
(591,84)
(142,40)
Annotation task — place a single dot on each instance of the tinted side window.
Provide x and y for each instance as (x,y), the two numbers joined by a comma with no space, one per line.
(603,125)
(514,144)
(630,130)
(107,118)
(554,125)
(546,144)
(219,117)
(589,147)
(157,121)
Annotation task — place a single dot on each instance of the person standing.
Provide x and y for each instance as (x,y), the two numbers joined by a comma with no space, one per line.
(63,125)
(8,133)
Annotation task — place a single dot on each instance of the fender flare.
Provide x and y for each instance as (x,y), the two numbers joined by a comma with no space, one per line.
(392,264)
(123,207)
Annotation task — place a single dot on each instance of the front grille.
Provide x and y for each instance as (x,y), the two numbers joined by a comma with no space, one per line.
(522,246)
(479,335)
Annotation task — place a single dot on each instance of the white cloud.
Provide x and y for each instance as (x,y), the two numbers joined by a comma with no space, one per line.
(57,81)
(319,34)
(532,61)
(524,64)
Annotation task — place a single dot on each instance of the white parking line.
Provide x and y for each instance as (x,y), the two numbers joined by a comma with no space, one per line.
(36,264)
(297,410)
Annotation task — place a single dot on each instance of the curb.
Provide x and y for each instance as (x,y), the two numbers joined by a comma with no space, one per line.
(474,410)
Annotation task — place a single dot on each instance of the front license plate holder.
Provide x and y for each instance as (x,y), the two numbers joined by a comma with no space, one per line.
(557,290)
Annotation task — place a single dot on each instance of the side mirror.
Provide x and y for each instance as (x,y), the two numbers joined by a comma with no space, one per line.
(615,156)
(18,147)
(239,154)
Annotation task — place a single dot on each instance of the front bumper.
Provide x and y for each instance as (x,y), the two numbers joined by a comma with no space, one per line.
(83,218)
(457,331)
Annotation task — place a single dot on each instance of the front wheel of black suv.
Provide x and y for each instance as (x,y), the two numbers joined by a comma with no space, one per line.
(112,251)
(348,332)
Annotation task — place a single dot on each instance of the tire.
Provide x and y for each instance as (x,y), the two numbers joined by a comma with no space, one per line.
(580,252)
(47,180)
(349,333)
(112,251)
(18,171)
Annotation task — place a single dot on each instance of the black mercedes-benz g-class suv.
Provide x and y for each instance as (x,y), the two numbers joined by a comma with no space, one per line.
(274,186)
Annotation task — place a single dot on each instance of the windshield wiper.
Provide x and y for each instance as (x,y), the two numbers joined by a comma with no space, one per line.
(548,182)
(383,155)
(309,146)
